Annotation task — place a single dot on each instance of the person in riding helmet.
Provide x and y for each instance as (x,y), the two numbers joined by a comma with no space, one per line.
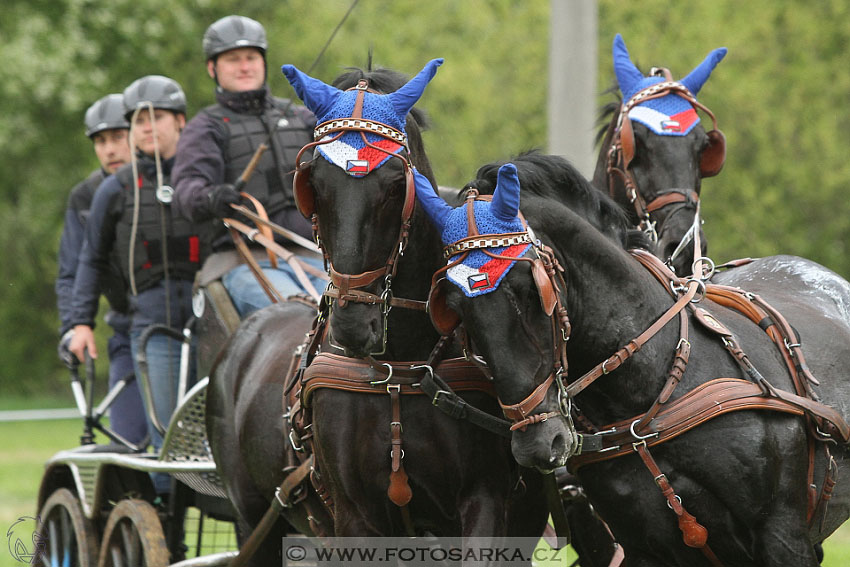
(159,251)
(216,147)
(107,128)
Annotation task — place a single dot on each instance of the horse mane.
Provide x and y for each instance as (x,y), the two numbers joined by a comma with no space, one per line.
(386,81)
(553,177)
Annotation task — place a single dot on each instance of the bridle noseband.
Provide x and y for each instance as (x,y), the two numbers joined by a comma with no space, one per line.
(345,288)
(622,151)
(551,286)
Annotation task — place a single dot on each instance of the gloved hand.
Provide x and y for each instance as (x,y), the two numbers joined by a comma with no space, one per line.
(221,197)
(64,351)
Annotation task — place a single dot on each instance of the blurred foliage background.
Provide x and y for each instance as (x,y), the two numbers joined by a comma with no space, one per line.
(782,97)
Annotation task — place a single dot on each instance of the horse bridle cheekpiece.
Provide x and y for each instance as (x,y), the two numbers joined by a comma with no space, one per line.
(484,239)
(667,108)
(358,130)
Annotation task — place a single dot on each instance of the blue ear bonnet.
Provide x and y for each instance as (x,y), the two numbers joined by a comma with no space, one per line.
(349,151)
(375,107)
(456,227)
(669,115)
(478,273)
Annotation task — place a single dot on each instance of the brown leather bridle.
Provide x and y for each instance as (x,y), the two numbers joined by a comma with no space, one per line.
(622,152)
(549,281)
(343,287)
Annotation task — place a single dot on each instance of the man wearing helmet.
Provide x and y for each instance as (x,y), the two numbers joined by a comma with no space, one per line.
(159,251)
(218,144)
(107,127)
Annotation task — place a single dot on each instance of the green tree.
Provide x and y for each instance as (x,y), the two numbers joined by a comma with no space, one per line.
(781,97)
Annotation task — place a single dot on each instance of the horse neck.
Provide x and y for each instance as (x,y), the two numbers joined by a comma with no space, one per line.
(612,299)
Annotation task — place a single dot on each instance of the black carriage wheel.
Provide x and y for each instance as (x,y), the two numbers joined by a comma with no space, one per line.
(69,537)
(133,537)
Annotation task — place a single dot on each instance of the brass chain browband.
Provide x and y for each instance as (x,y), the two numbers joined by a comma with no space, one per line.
(488,241)
(361,124)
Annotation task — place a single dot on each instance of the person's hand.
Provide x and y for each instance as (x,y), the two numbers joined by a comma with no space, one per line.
(64,350)
(82,339)
(221,197)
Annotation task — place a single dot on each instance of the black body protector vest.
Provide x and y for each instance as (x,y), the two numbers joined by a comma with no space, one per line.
(185,242)
(271,182)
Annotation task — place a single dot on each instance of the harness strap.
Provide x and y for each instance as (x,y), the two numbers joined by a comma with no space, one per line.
(615,360)
(694,534)
(688,196)
(399,490)
(703,403)
(446,400)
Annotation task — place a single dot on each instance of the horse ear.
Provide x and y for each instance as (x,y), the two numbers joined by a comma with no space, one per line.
(404,98)
(628,75)
(505,204)
(315,94)
(697,78)
(434,206)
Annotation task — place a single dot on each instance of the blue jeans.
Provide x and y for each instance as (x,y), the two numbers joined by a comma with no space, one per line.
(163,358)
(126,413)
(247,294)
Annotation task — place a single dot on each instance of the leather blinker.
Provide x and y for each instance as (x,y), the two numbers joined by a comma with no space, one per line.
(714,155)
(303,190)
(627,141)
(444,318)
(545,289)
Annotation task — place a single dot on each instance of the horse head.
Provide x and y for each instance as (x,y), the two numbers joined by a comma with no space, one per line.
(355,182)
(493,253)
(656,152)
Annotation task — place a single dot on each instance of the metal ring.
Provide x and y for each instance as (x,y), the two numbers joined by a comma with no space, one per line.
(708,261)
(678,499)
(387,379)
(641,437)
(698,296)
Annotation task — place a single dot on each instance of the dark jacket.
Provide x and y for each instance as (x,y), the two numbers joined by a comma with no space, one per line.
(70,246)
(218,143)
(109,219)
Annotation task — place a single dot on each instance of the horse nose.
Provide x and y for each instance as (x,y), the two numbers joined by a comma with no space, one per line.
(560,450)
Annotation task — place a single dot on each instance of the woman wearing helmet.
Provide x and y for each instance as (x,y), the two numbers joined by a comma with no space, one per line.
(159,251)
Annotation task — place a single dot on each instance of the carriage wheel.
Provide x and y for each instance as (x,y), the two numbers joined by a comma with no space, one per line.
(133,537)
(69,537)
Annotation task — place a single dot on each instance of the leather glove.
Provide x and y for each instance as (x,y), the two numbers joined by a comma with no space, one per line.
(65,354)
(221,197)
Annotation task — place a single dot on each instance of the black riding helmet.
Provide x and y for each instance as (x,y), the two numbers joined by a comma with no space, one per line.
(232,32)
(161,92)
(106,114)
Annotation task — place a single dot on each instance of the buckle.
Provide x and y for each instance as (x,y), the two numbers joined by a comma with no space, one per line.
(436,399)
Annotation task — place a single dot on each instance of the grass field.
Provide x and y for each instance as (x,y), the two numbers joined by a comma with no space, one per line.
(27,445)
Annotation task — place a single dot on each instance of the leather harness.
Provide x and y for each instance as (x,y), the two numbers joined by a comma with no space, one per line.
(666,420)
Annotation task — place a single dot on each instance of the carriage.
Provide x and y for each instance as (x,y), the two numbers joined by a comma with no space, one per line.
(97,504)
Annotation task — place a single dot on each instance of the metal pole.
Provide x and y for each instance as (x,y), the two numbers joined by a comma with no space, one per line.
(572,81)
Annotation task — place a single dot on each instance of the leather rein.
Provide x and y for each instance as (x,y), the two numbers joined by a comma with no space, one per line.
(622,149)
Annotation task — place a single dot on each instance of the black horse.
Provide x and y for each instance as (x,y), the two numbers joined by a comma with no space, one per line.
(463,480)
(654,153)
(743,475)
